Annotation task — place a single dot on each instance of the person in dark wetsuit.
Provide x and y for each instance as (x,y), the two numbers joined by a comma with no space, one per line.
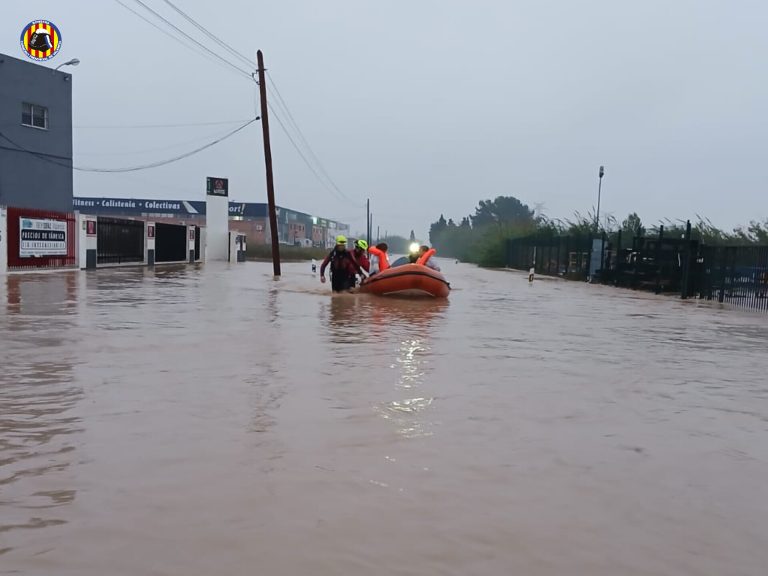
(343,267)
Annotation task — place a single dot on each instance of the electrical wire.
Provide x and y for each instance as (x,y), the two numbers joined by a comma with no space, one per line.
(276,92)
(179,125)
(178,145)
(203,46)
(280,101)
(211,35)
(157,164)
(302,137)
(291,140)
(185,44)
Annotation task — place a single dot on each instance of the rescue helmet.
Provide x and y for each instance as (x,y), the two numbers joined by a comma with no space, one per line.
(341,239)
(41,40)
(362,244)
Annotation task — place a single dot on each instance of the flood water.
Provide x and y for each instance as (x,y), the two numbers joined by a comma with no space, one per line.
(206,421)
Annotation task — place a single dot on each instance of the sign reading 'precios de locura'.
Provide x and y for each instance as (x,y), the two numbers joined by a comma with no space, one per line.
(42,237)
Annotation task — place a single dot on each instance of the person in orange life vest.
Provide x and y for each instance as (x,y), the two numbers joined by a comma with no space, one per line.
(417,256)
(380,253)
(343,267)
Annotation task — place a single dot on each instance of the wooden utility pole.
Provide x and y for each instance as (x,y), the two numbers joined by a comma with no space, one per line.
(368,221)
(268,163)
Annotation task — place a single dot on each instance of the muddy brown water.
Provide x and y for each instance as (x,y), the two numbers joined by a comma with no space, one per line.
(210,421)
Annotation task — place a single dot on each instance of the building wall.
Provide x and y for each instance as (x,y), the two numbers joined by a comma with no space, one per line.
(27,180)
(256,230)
(247,218)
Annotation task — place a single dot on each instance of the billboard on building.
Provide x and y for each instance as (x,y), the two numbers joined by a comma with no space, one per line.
(42,237)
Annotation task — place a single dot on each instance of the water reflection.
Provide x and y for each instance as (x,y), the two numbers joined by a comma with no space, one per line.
(38,397)
(41,294)
(348,317)
(411,324)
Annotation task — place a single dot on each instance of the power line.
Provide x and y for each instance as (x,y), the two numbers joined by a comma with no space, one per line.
(280,101)
(177,145)
(303,138)
(203,46)
(184,43)
(179,125)
(276,92)
(157,164)
(291,140)
(210,34)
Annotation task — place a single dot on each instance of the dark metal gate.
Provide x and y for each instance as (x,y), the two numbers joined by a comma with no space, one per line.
(736,275)
(197,243)
(41,239)
(119,241)
(171,244)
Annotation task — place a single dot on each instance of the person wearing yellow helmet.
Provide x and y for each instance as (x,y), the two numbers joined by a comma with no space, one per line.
(343,266)
(360,254)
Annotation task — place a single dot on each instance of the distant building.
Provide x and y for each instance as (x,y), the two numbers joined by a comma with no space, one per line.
(35,136)
(294,228)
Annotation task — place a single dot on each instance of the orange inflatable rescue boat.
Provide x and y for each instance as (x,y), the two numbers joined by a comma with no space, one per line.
(407,280)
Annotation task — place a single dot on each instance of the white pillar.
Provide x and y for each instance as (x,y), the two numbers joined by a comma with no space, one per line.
(81,239)
(3,240)
(233,246)
(217,219)
(87,241)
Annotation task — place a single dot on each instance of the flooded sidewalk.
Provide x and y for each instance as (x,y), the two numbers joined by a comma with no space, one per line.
(208,420)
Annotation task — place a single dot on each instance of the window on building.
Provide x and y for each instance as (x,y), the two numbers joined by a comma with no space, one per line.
(34,115)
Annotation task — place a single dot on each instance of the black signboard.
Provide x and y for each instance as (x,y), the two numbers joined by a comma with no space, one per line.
(217,186)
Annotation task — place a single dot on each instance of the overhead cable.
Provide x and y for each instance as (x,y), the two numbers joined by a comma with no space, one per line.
(295,124)
(201,45)
(211,35)
(179,125)
(46,158)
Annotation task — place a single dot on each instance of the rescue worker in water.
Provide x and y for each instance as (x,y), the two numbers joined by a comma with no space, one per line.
(343,267)
(360,254)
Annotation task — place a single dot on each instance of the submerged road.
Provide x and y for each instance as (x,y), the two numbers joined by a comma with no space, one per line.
(207,420)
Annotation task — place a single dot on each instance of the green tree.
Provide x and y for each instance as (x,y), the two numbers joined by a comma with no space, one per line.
(504,210)
(632,226)
(436,229)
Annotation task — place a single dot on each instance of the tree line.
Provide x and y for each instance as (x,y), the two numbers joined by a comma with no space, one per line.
(482,237)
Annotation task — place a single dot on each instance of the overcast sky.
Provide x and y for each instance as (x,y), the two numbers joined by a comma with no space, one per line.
(428,107)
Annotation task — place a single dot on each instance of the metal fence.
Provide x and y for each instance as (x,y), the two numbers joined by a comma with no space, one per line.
(564,256)
(119,241)
(41,239)
(735,275)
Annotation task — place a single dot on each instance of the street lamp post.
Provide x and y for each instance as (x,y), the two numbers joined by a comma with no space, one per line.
(601,173)
(73,62)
